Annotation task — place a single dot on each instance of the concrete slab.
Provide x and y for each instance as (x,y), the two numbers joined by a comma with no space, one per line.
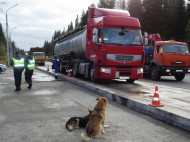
(137,97)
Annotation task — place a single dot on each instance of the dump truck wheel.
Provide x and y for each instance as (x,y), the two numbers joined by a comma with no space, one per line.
(154,73)
(179,77)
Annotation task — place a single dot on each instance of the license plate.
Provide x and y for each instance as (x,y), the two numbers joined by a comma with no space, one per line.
(179,70)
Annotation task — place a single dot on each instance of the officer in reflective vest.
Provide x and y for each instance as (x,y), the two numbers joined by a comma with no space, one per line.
(29,65)
(18,66)
(56,65)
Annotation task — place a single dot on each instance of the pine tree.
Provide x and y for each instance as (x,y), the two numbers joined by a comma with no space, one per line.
(152,16)
(187,33)
(2,45)
(121,4)
(70,27)
(135,9)
(84,18)
(77,21)
(179,20)
(107,4)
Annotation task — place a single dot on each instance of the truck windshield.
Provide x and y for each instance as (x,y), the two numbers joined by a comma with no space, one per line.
(38,54)
(175,48)
(129,37)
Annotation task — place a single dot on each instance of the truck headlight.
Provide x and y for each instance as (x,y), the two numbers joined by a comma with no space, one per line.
(140,70)
(105,70)
(188,70)
(167,70)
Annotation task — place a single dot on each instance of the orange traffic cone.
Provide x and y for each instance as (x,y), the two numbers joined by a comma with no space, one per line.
(156,100)
(69,74)
(25,82)
(48,68)
(36,65)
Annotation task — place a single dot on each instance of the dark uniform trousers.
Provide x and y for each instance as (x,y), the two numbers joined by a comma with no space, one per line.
(18,77)
(28,76)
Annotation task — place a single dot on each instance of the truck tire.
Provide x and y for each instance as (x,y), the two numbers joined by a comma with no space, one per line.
(154,74)
(74,70)
(179,77)
(92,73)
(0,70)
(130,80)
(62,70)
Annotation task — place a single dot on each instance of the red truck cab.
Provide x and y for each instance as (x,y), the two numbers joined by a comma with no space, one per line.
(116,50)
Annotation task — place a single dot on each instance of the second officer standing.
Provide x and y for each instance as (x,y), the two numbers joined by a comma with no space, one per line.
(29,65)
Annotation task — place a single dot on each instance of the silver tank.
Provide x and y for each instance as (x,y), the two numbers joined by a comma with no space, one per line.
(75,43)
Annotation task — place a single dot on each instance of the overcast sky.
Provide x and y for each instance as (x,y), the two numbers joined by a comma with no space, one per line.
(37,20)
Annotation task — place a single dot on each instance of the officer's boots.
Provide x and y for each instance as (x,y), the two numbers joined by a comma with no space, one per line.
(18,88)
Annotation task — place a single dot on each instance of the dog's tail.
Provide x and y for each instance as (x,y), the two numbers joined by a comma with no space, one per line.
(85,137)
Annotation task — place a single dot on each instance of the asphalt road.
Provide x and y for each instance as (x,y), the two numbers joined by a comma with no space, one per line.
(40,115)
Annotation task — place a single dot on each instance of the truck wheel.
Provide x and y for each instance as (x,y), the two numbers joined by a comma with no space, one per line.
(74,70)
(130,80)
(0,70)
(179,77)
(92,73)
(154,73)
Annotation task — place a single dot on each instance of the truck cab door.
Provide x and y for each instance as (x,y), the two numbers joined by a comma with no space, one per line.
(159,55)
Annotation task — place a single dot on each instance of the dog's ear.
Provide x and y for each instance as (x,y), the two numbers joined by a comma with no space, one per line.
(97,99)
(105,100)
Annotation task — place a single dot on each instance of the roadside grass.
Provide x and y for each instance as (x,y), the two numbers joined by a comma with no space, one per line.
(48,58)
(3,60)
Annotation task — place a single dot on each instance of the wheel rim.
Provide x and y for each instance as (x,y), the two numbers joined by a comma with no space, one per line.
(154,74)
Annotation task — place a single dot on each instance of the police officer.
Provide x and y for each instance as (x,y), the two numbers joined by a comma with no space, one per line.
(18,66)
(56,65)
(29,65)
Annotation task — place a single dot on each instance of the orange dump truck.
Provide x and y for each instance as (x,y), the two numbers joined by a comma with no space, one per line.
(166,58)
(39,55)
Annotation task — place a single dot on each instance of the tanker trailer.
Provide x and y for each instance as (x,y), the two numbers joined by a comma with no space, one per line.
(109,47)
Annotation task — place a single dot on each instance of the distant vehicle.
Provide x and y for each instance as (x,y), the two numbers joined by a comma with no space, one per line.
(39,55)
(3,68)
(166,58)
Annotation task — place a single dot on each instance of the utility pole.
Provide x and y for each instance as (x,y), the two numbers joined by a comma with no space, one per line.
(7,35)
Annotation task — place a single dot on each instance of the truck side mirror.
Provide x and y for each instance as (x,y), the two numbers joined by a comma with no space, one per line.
(95,35)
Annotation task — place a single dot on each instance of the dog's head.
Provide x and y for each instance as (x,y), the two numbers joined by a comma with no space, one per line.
(72,123)
(102,102)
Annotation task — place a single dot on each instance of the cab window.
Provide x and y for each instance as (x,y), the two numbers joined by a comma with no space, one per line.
(159,49)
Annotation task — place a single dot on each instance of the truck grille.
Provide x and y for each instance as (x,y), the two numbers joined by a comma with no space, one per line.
(178,63)
(122,57)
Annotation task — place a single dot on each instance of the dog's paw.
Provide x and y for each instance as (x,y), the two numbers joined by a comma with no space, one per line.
(106,126)
(103,132)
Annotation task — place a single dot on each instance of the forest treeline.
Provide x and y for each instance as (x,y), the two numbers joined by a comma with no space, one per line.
(169,18)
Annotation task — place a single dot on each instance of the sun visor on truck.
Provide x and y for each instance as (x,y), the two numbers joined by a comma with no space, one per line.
(129,22)
(99,12)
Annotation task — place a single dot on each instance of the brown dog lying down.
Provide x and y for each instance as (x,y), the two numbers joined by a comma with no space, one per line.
(95,124)
(76,122)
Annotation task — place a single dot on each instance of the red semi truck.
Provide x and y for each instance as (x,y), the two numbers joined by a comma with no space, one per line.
(110,46)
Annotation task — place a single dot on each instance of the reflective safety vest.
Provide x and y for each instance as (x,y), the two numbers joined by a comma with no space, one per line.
(31,65)
(18,63)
